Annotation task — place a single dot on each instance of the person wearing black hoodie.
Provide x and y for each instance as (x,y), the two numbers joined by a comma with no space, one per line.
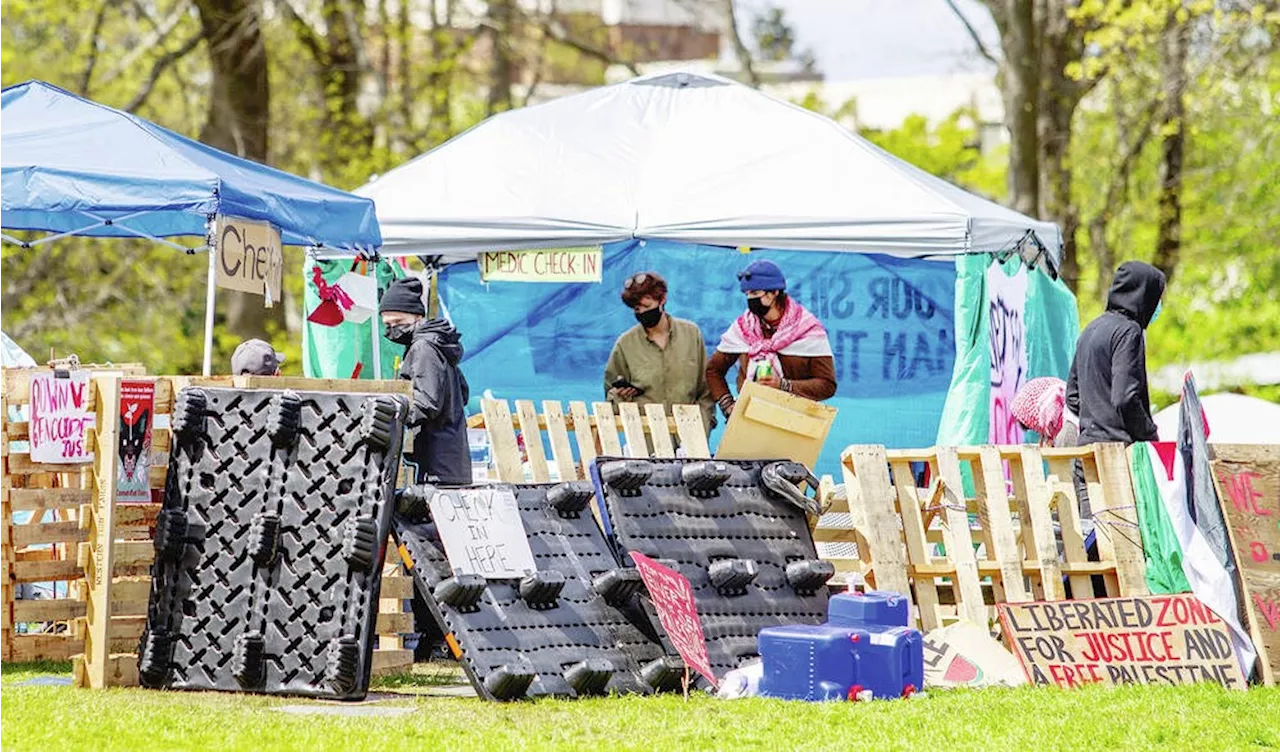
(433,348)
(1107,387)
(439,453)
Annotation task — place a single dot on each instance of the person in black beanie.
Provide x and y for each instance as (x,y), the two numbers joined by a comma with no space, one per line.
(440,453)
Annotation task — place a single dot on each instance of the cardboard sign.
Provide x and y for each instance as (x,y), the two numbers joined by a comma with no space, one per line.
(1248,478)
(60,418)
(965,655)
(482,532)
(249,257)
(672,597)
(133,471)
(552,265)
(770,423)
(1152,639)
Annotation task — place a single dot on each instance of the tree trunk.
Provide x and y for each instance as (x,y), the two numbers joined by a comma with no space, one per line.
(239,104)
(502,68)
(1020,86)
(1061,43)
(1173,65)
(347,132)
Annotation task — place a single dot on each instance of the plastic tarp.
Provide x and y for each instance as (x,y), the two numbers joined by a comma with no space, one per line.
(14,356)
(1052,327)
(889,321)
(332,352)
(686,157)
(68,162)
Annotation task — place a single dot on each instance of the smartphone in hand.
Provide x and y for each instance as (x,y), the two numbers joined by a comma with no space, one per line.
(621,383)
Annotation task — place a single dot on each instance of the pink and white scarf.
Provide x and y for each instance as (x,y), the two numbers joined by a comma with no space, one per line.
(799,334)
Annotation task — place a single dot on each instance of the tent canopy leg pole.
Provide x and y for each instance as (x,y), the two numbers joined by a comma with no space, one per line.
(209,297)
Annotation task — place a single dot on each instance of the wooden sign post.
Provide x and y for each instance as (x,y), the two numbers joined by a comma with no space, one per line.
(1248,479)
(1152,639)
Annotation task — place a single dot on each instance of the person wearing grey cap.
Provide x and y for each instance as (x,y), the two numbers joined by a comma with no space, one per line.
(256,358)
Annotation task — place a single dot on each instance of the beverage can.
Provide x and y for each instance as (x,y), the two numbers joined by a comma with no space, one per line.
(764,370)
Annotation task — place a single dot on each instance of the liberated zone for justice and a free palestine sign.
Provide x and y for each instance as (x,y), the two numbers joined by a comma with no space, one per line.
(482,532)
(1153,639)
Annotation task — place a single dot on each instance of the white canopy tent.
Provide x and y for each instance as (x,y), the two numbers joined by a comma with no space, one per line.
(684,157)
(1233,419)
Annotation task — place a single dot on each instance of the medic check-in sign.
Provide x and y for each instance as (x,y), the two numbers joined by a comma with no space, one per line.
(672,597)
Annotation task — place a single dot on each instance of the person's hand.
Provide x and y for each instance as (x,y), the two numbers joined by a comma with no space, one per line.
(772,381)
(624,394)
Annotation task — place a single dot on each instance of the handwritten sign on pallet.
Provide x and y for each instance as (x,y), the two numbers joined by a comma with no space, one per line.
(1154,639)
(1248,478)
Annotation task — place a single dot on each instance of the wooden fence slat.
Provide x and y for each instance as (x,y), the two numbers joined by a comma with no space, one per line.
(955,525)
(47,571)
(31,499)
(633,428)
(691,430)
(866,467)
(657,419)
(48,532)
(502,440)
(995,514)
(1068,507)
(607,427)
(914,530)
(1032,490)
(532,441)
(50,609)
(585,438)
(558,431)
(1116,520)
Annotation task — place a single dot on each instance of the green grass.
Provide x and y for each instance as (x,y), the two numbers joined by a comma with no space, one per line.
(1201,717)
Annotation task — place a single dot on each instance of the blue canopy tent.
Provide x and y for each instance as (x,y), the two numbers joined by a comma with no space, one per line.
(75,167)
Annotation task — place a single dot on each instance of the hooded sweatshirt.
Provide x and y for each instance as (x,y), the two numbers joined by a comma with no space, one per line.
(1107,387)
(440,394)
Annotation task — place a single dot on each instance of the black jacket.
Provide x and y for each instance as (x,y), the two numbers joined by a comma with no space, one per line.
(440,393)
(1108,383)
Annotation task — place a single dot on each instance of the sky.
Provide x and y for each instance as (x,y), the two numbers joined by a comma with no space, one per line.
(858,39)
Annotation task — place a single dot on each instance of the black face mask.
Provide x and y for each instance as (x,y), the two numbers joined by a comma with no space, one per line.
(758,306)
(401,334)
(650,318)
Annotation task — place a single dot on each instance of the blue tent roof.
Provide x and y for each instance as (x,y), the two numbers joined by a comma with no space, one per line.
(67,162)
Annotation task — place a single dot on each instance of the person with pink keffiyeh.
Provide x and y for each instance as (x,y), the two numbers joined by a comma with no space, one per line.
(776,343)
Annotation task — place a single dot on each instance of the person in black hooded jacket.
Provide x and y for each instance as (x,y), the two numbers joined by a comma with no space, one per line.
(433,348)
(1107,387)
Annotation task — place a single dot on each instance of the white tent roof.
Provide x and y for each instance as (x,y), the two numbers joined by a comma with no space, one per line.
(680,156)
(1233,419)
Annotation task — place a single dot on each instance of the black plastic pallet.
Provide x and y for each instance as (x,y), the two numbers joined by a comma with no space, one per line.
(736,529)
(575,628)
(270,542)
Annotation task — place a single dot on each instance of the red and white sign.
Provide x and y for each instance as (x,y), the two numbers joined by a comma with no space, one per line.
(672,597)
(133,478)
(60,418)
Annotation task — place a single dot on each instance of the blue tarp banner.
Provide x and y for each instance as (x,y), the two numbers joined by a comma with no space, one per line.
(890,322)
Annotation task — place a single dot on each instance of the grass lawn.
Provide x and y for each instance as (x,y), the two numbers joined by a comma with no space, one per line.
(54,718)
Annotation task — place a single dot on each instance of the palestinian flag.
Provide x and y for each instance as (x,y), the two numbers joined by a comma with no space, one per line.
(1183,530)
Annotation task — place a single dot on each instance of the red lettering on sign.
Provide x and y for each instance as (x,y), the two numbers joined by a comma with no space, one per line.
(1270,610)
(1243,495)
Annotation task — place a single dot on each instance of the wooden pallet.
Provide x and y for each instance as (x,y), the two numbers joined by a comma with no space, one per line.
(998,545)
(600,432)
(115,543)
(45,547)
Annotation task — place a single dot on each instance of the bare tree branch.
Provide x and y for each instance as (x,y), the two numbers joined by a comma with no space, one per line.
(973,33)
(87,76)
(305,31)
(160,30)
(555,30)
(159,67)
(740,47)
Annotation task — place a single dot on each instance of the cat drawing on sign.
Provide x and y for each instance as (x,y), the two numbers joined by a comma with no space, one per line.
(133,439)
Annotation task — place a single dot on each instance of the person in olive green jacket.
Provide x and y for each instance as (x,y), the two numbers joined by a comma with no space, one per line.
(662,359)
